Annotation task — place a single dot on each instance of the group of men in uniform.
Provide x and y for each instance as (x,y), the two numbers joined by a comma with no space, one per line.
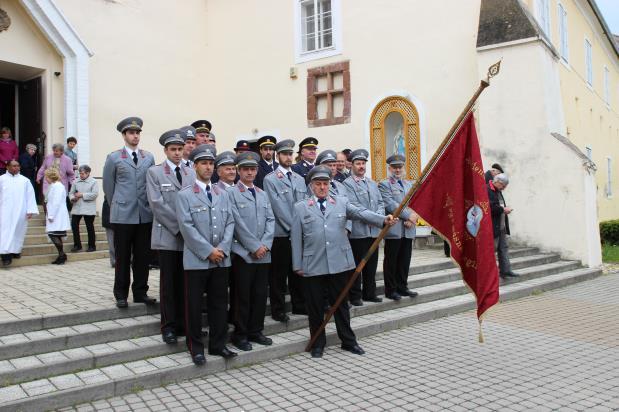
(243,226)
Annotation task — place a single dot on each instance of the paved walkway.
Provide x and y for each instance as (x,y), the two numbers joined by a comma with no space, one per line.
(34,291)
(555,351)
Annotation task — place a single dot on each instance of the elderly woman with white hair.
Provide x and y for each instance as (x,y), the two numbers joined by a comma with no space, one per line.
(500,222)
(59,161)
(28,164)
(83,196)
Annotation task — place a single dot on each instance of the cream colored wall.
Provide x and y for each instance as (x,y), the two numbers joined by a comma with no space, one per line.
(150,60)
(590,121)
(393,46)
(24,44)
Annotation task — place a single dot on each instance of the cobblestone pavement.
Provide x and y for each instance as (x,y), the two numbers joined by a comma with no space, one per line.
(554,351)
(34,291)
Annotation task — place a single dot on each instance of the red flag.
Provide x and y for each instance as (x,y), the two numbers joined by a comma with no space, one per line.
(453,199)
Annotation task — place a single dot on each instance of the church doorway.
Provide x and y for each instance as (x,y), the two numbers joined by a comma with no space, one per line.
(394,128)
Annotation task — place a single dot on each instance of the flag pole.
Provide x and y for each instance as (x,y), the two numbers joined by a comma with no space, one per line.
(492,71)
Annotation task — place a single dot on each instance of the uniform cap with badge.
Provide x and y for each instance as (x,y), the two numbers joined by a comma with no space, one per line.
(359,154)
(286,145)
(308,143)
(174,136)
(202,126)
(396,160)
(203,152)
(241,146)
(319,173)
(266,141)
(327,156)
(190,132)
(130,123)
(224,158)
(247,159)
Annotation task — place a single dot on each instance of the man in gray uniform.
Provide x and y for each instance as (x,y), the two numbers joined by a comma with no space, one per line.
(163,183)
(284,188)
(225,169)
(321,254)
(206,222)
(190,144)
(329,158)
(363,192)
(399,239)
(124,185)
(253,238)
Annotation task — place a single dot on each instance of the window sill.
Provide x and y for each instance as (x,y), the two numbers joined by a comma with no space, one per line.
(328,122)
(318,54)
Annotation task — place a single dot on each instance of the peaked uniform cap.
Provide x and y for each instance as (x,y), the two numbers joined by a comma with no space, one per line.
(359,154)
(225,158)
(396,160)
(247,159)
(130,123)
(202,126)
(267,141)
(285,146)
(319,173)
(190,132)
(326,156)
(204,151)
(172,136)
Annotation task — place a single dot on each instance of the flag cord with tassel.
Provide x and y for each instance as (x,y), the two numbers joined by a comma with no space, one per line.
(492,71)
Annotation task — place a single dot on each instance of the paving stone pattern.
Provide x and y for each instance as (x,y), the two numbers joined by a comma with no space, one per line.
(554,351)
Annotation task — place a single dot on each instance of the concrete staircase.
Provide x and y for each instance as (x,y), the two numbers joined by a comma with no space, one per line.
(38,250)
(63,360)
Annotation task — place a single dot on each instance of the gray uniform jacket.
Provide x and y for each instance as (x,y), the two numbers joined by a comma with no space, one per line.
(283,194)
(393,194)
(254,222)
(162,188)
(204,225)
(367,196)
(320,243)
(124,185)
(222,186)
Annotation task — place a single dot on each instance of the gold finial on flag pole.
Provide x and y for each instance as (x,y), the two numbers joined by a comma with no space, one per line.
(494,70)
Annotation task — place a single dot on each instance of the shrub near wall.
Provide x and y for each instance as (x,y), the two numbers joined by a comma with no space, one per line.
(609,232)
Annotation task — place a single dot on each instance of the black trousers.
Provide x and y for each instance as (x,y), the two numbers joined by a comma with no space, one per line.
(132,248)
(315,287)
(215,283)
(396,264)
(90,228)
(172,291)
(248,297)
(280,273)
(359,249)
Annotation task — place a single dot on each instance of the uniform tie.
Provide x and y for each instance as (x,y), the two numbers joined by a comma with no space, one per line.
(321,201)
(177,171)
(289,174)
(135,158)
(401,184)
(252,191)
(208,193)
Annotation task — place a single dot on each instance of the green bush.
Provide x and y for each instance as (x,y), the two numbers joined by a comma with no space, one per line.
(609,232)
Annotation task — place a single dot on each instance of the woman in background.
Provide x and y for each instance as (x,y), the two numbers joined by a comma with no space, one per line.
(8,149)
(83,195)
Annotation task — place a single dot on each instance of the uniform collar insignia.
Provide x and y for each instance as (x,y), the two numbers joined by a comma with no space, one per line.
(331,200)
(392,180)
(310,202)
(166,168)
(280,175)
(196,188)
(123,153)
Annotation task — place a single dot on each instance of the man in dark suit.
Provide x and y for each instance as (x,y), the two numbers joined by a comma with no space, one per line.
(267,163)
(307,152)
(500,222)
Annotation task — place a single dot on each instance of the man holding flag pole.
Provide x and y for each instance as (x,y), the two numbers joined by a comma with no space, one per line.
(458,211)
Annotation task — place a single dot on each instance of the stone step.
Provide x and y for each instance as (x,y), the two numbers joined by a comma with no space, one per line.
(40,229)
(44,239)
(59,339)
(120,379)
(47,249)
(48,258)
(75,318)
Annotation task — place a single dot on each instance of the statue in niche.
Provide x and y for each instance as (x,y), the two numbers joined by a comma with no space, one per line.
(399,146)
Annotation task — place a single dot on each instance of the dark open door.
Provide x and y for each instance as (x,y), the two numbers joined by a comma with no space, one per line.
(30,125)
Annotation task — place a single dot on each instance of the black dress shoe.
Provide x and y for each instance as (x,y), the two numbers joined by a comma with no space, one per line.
(409,293)
(76,249)
(91,249)
(199,359)
(374,299)
(169,337)
(261,340)
(317,352)
(393,296)
(16,255)
(281,317)
(299,311)
(147,300)
(356,302)
(356,349)
(243,345)
(224,353)
(122,303)
(510,274)
(6,262)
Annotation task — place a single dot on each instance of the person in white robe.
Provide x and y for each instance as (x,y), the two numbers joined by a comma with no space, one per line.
(17,205)
(57,222)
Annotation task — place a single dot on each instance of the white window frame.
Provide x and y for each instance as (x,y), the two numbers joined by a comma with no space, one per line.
(563,33)
(609,177)
(588,62)
(543,15)
(606,79)
(336,34)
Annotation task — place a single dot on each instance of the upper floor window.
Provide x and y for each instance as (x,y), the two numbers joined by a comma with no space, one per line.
(563,33)
(589,62)
(606,85)
(543,15)
(317,29)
